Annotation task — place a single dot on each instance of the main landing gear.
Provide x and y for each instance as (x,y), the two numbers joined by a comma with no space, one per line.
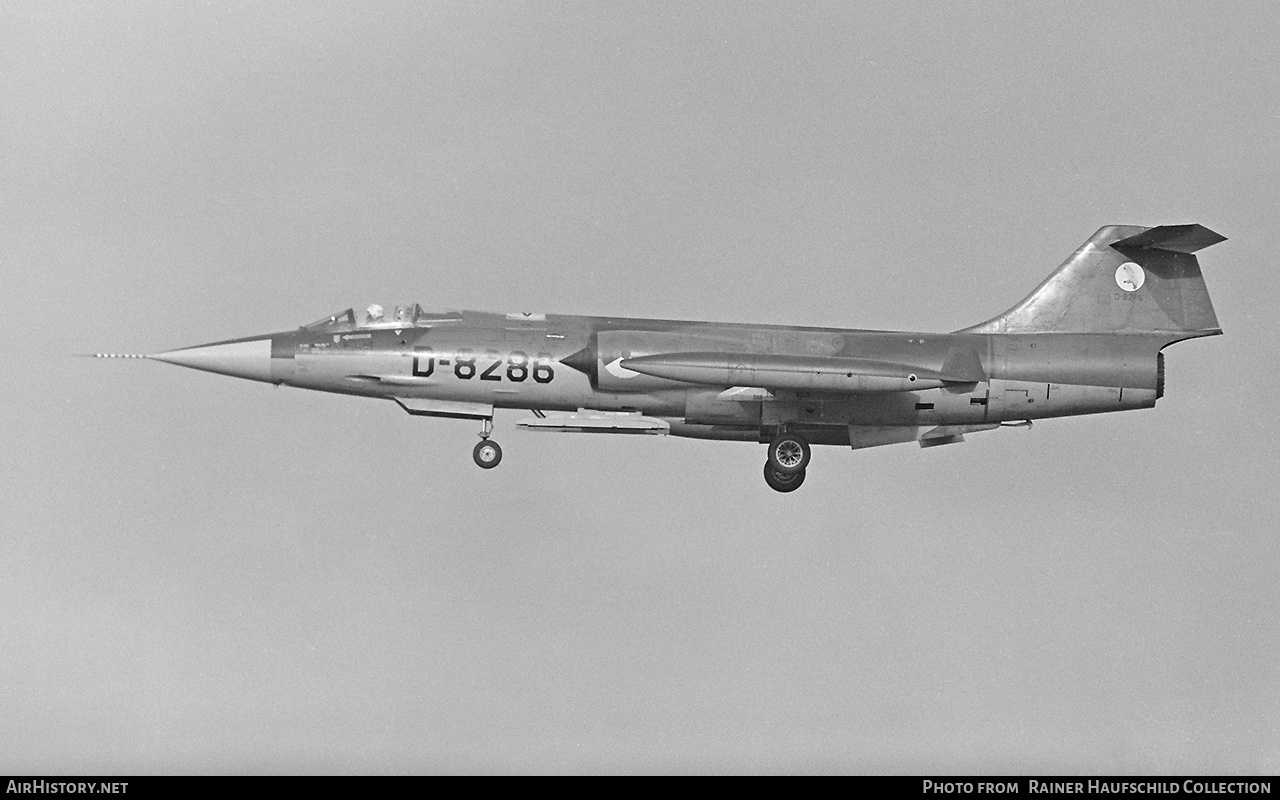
(487,454)
(789,453)
(782,481)
(788,456)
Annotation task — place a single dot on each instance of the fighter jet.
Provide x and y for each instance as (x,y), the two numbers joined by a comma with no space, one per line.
(1087,340)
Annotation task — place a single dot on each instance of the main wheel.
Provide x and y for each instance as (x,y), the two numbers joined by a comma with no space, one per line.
(782,481)
(789,453)
(487,454)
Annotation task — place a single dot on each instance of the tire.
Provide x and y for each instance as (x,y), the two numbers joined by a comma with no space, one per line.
(782,481)
(789,453)
(487,454)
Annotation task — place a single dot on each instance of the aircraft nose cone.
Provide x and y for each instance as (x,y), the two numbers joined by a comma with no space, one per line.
(243,358)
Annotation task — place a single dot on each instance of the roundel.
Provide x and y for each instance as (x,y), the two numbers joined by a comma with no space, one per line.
(1130,277)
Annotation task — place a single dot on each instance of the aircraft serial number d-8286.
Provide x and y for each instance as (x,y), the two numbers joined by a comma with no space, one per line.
(1088,340)
(517,366)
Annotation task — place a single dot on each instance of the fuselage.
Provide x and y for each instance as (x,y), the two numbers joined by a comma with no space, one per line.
(468,363)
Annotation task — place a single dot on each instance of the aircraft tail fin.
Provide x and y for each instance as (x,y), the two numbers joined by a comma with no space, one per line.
(1124,279)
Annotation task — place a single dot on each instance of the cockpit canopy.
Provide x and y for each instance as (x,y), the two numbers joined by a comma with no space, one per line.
(342,321)
(377,316)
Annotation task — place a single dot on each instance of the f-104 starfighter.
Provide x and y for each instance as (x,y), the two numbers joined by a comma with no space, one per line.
(1087,340)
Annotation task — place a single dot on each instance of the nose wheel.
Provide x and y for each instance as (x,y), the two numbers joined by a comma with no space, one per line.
(487,454)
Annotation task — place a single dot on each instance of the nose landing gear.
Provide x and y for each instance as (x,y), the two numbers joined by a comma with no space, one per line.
(487,454)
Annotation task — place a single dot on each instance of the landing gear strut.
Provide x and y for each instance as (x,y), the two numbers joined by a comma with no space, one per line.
(487,454)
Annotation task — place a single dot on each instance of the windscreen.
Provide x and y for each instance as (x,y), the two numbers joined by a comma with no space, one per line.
(342,321)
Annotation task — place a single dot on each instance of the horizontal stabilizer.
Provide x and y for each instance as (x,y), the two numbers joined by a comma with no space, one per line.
(597,422)
(1178,238)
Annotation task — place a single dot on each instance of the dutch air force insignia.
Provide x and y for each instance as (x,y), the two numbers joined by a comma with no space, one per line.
(1130,277)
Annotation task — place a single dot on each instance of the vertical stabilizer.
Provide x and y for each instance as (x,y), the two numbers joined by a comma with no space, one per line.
(1125,279)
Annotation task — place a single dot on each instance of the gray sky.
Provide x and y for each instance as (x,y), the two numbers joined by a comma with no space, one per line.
(200,573)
